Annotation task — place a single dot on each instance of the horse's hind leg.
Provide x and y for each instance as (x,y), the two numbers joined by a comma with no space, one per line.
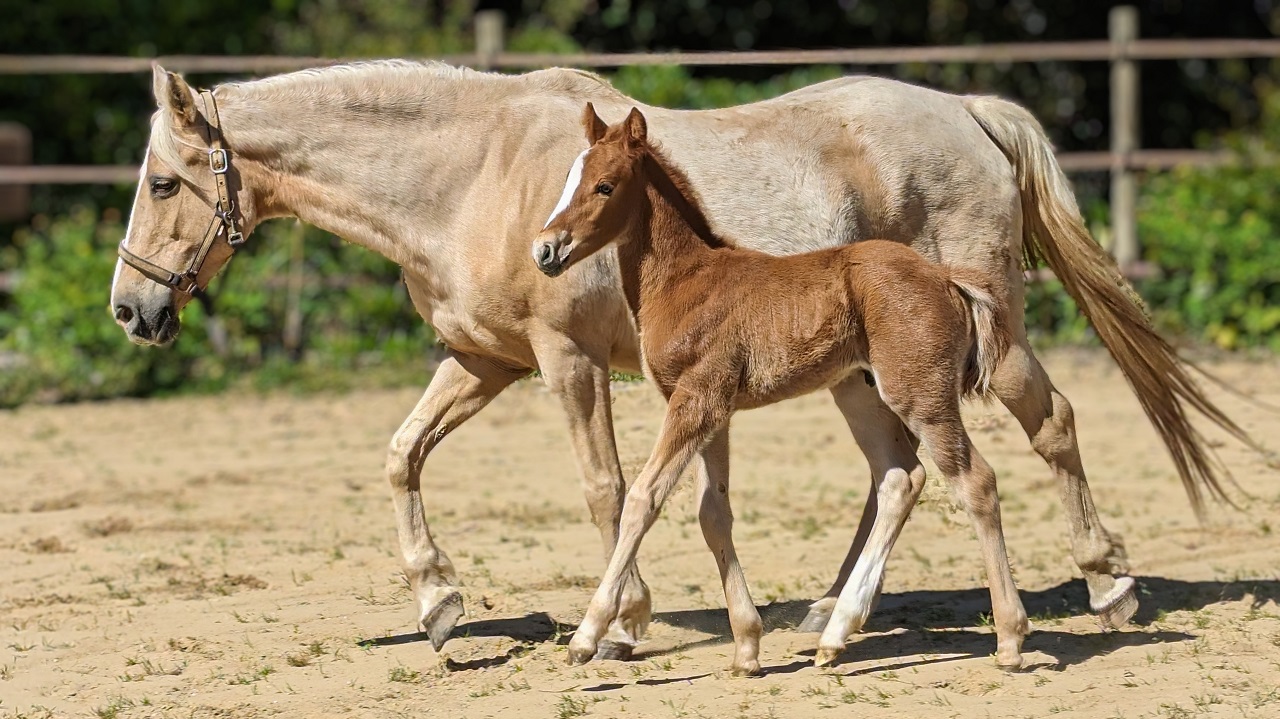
(1046,416)
(887,445)
(716,518)
(898,479)
(461,387)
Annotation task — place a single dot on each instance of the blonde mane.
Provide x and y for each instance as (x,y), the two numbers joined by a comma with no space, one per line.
(384,88)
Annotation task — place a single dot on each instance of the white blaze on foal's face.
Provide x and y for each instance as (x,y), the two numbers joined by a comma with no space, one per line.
(570,186)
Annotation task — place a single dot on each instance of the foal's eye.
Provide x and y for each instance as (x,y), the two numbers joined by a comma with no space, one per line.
(163,186)
(605,188)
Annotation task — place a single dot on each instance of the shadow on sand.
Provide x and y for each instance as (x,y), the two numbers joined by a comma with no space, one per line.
(935,623)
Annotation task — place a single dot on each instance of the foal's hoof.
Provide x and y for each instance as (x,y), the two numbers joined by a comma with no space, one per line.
(1117,607)
(613,650)
(816,620)
(438,623)
(745,669)
(827,656)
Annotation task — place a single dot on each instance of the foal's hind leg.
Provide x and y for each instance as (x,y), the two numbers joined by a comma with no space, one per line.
(462,386)
(1046,416)
(887,445)
(974,484)
(716,518)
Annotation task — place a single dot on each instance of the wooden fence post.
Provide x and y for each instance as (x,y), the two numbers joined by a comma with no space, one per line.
(1122,29)
(490,25)
(15,149)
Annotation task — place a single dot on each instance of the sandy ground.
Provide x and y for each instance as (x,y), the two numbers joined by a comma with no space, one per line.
(234,556)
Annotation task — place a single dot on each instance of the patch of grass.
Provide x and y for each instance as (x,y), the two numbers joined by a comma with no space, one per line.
(405,675)
(112,709)
(569,707)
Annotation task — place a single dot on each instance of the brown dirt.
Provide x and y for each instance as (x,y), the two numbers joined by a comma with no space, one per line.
(234,556)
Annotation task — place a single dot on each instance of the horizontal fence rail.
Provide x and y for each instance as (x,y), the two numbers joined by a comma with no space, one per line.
(1070,161)
(1082,50)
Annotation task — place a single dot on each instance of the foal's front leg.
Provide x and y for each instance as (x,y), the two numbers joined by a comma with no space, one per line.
(691,420)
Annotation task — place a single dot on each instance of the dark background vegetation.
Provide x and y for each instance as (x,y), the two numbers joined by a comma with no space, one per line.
(1213,232)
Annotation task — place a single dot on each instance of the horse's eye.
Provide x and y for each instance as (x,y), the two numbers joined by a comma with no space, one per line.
(605,188)
(163,186)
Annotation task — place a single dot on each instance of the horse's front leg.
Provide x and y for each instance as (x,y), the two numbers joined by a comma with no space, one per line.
(461,387)
(582,384)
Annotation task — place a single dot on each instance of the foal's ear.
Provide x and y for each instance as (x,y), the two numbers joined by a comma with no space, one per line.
(594,125)
(173,95)
(637,128)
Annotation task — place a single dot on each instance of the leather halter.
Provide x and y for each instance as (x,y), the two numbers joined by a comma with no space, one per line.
(224,215)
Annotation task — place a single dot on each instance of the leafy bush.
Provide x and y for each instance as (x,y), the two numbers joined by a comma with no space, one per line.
(60,342)
(1213,232)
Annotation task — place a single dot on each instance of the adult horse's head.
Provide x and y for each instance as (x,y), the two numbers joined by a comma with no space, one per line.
(190,212)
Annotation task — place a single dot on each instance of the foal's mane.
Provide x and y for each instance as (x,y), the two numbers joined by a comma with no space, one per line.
(673,185)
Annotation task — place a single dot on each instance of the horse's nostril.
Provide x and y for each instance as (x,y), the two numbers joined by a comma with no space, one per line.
(124,314)
(545,254)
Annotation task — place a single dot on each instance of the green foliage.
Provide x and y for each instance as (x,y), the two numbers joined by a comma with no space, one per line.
(58,336)
(1214,234)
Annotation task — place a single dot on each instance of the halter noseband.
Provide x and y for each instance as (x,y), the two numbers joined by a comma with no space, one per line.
(223,215)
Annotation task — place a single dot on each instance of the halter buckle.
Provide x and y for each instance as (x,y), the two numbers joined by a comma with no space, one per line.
(218,161)
(235,238)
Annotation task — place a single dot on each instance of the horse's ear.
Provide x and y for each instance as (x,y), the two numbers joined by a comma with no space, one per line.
(637,128)
(174,95)
(594,125)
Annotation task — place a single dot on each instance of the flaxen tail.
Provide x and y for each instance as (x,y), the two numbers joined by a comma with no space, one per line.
(1053,230)
(990,339)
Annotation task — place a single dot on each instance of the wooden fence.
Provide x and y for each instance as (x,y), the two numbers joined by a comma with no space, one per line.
(1123,50)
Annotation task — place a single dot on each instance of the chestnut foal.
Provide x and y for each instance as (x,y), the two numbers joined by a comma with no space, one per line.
(724,329)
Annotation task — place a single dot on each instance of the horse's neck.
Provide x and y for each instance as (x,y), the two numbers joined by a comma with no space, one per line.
(374,174)
(668,250)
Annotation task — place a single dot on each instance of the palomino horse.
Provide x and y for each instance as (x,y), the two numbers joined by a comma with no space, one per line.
(726,328)
(444,171)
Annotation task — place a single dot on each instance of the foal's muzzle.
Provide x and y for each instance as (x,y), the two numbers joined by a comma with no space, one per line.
(551,252)
(158,326)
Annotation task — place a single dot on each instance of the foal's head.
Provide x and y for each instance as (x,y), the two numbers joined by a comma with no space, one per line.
(600,196)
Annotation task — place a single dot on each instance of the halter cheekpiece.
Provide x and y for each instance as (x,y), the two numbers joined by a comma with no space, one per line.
(224,215)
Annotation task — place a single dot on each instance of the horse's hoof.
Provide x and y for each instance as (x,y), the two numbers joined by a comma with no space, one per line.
(438,623)
(826,656)
(1117,606)
(815,621)
(616,651)
(745,669)
(579,655)
(1011,665)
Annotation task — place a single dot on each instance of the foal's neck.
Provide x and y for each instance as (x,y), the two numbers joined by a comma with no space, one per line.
(674,242)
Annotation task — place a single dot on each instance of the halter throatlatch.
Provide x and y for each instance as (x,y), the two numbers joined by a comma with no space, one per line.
(224,215)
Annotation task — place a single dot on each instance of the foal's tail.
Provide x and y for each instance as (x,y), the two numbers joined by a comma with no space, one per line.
(1053,230)
(989,338)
